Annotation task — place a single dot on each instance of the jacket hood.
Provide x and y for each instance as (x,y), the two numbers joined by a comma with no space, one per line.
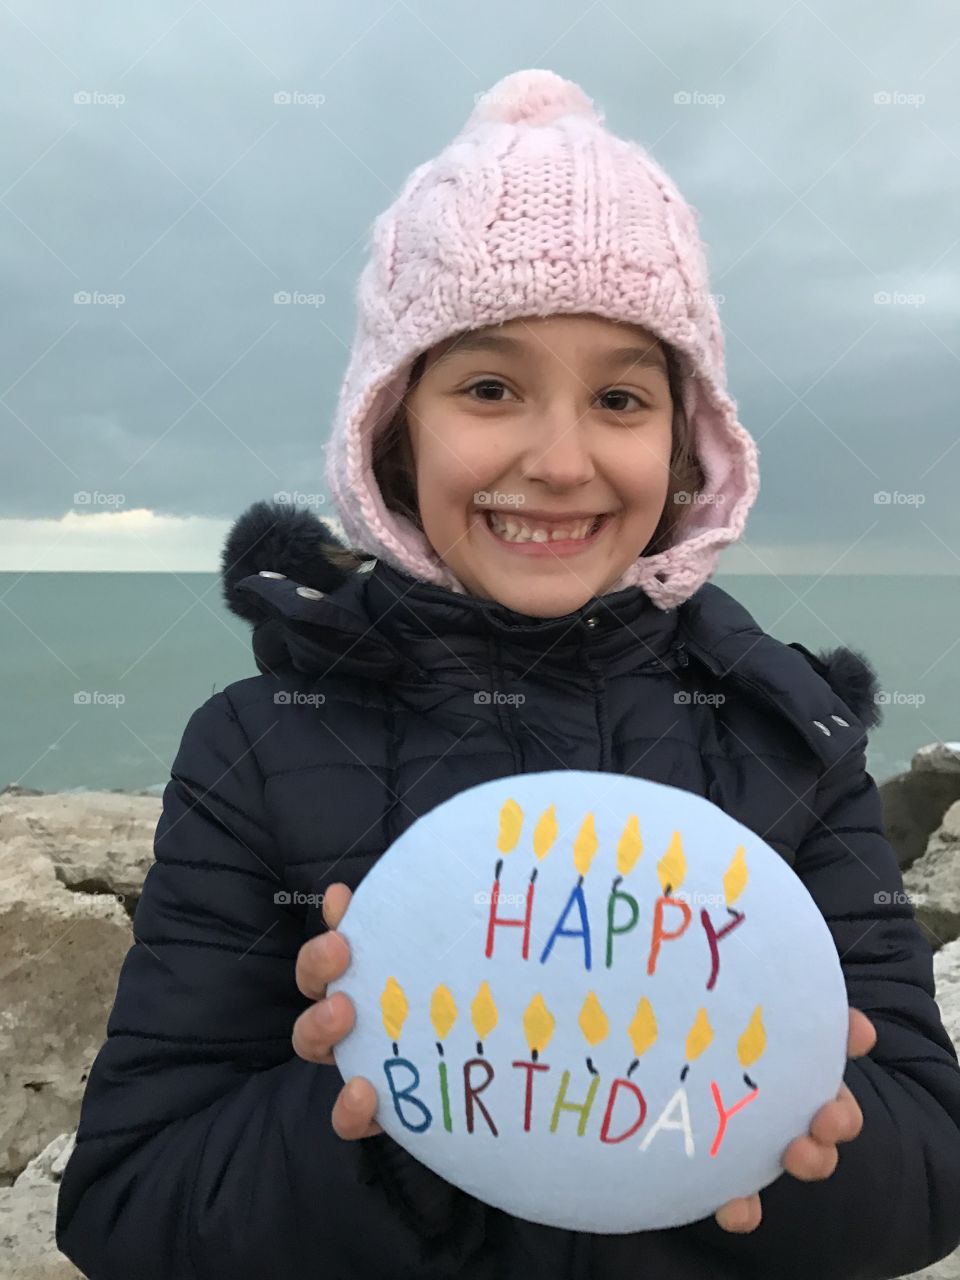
(309,613)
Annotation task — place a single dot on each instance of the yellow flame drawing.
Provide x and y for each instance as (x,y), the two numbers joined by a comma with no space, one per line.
(483,1011)
(585,846)
(630,846)
(672,867)
(443,1011)
(394,1007)
(511,822)
(593,1021)
(753,1041)
(545,832)
(700,1036)
(735,877)
(538,1024)
(643,1028)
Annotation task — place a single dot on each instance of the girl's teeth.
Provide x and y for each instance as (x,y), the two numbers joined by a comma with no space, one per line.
(514,530)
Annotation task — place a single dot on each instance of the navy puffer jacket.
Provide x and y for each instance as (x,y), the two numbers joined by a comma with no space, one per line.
(205,1149)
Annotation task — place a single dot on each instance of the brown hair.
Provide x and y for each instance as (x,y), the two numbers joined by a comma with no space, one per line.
(394,472)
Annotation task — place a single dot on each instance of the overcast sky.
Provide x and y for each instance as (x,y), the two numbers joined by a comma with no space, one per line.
(179,193)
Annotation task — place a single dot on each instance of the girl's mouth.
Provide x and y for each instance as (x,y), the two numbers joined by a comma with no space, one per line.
(544,537)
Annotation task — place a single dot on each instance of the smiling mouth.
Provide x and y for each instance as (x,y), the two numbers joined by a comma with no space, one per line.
(514,529)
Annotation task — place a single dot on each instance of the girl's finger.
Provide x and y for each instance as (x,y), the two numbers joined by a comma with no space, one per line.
(809,1160)
(336,899)
(321,1026)
(354,1110)
(862,1035)
(740,1215)
(320,960)
(838,1121)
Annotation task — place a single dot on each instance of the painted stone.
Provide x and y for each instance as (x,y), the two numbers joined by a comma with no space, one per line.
(593,1001)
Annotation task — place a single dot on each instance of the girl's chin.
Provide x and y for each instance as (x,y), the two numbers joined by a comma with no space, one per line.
(538,595)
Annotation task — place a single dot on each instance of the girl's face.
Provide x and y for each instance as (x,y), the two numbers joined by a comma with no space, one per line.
(542,449)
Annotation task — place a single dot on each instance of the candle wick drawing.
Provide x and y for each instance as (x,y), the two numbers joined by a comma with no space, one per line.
(591,1068)
(632,1067)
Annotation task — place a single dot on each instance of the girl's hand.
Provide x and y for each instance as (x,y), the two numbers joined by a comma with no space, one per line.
(324,1024)
(813,1156)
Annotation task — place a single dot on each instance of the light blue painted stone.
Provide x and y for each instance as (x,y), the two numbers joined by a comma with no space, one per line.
(421,917)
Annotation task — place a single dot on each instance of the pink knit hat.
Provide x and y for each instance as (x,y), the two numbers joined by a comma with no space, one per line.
(532,210)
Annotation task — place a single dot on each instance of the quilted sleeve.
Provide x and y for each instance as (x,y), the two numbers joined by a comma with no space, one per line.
(205,1148)
(892,1205)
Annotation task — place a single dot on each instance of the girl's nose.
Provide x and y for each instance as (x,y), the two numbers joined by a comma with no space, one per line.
(557,452)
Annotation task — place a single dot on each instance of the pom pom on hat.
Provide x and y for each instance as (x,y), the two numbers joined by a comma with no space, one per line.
(532,97)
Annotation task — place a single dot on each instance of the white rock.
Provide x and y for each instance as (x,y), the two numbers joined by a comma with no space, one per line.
(933,882)
(92,838)
(942,757)
(60,958)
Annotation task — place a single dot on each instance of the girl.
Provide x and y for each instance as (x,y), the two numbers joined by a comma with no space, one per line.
(537,457)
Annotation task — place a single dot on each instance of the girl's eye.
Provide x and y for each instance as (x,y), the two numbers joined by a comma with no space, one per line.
(630,396)
(486,382)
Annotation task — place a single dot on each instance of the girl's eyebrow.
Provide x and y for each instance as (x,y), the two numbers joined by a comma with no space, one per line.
(622,358)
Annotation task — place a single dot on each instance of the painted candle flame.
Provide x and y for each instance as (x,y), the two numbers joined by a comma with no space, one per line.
(394,1007)
(643,1028)
(538,1024)
(483,1011)
(593,1021)
(443,1011)
(545,832)
(700,1036)
(585,846)
(511,823)
(735,877)
(672,867)
(630,846)
(753,1041)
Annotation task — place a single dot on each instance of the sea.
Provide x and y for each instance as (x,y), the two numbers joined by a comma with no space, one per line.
(101,671)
